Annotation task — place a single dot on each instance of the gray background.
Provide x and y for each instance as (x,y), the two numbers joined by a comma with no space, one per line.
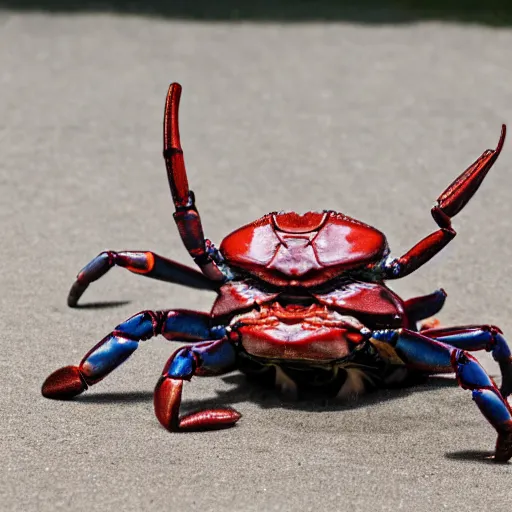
(372,119)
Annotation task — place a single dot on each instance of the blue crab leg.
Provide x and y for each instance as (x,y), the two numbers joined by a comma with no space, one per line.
(479,337)
(119,345)
(426,354)
(139,262)
(204,359)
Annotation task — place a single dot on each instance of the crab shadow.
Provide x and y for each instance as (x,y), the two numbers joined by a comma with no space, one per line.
(268,398)
(102,304)
(472,456)
(244,391)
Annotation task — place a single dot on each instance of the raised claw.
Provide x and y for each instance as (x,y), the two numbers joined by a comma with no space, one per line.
(64,383)
(167,400)
(186,216)
(173,153)
(460,191)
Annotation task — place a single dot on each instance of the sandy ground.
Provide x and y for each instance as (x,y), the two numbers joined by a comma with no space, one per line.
(373,121)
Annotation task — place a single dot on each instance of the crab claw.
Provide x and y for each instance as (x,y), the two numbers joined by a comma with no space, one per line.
(167,400)
(64,383)
(460,191)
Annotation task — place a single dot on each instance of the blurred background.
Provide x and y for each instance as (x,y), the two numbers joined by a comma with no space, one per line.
(369,108)
(494,12)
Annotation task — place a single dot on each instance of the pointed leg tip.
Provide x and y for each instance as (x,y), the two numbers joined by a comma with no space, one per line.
(502,137)
(210,419)
(503,447)
(167,399)
(64,383)
(72,302)
(75,293)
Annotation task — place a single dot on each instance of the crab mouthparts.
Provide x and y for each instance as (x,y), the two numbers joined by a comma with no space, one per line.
(298,332)
(299,300)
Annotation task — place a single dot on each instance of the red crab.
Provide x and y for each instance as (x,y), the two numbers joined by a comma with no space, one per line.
(302,301)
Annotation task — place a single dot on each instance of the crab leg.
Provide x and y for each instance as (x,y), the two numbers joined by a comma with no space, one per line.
(204,359)
(423,353)
(479,337)
(119,345)
(449,203)
(419,308)
(139,262)
(186,216)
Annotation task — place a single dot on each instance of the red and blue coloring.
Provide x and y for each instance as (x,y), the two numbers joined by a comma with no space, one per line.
(301,303)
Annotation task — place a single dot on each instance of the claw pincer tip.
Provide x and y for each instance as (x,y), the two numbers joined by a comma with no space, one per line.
(64,383)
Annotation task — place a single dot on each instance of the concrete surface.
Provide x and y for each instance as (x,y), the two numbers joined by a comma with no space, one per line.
(371,120)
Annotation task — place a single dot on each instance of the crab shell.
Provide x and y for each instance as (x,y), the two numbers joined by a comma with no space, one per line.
(288,249)
(295,253)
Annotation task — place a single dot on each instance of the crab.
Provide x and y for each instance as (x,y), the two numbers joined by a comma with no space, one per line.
(301,303)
